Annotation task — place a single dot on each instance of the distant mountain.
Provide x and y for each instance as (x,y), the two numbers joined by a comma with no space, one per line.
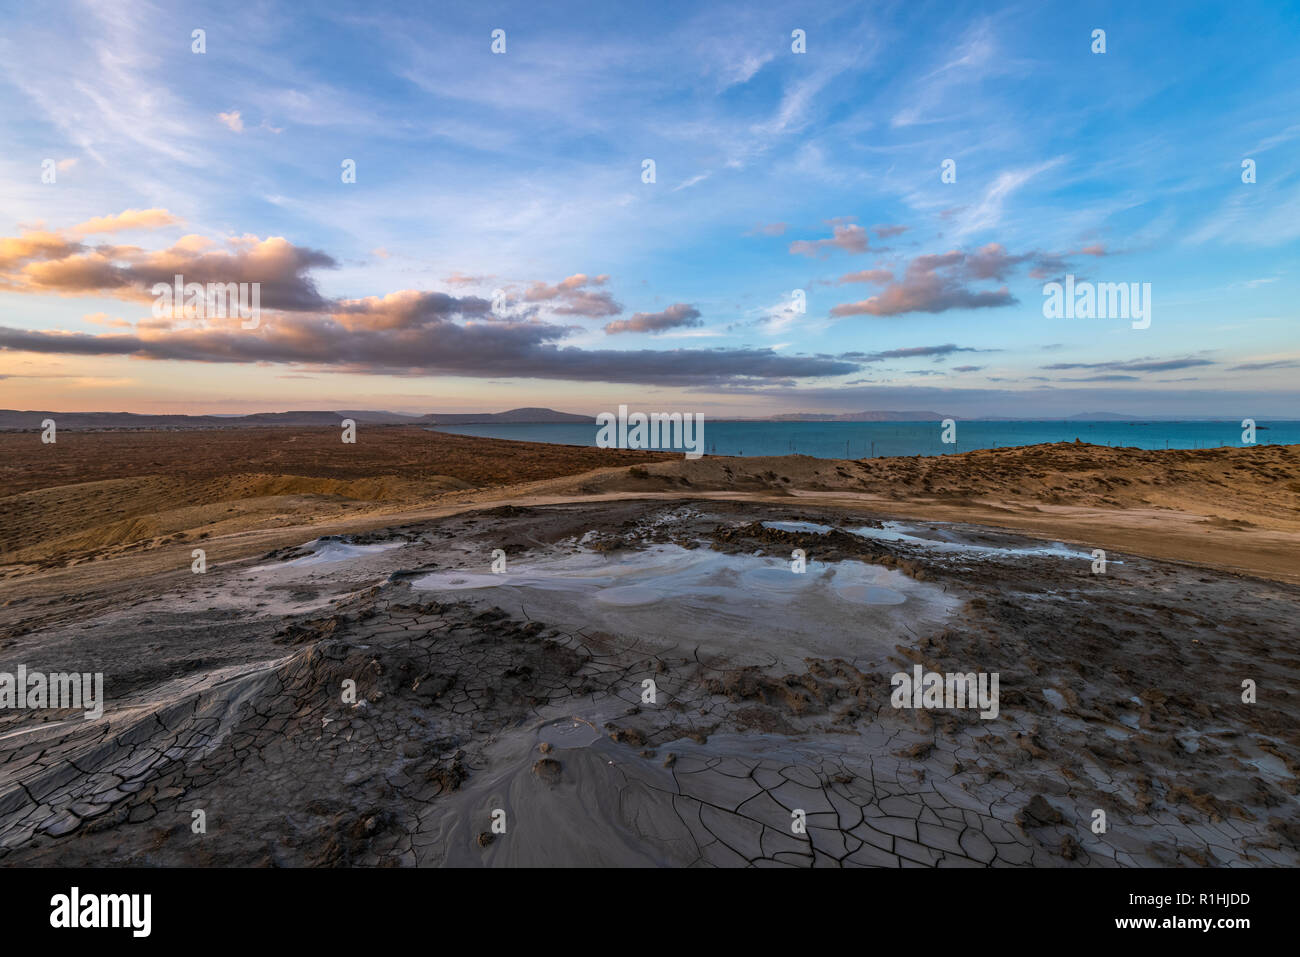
(514,415)
(305,417)
(14,419)
(31,420)
(860,417)
(390,418)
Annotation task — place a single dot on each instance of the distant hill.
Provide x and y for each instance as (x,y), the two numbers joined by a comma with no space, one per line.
(860,417)
(13,419)
(514,415)
(393,418)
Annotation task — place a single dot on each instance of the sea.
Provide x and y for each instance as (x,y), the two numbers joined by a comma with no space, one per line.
(856,440)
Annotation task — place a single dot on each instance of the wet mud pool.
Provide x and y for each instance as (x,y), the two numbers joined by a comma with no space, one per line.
(656,684)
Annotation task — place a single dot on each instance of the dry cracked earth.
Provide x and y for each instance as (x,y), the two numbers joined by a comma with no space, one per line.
(652,684)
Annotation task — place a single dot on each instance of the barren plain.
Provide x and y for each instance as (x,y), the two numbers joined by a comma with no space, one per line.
(563,655)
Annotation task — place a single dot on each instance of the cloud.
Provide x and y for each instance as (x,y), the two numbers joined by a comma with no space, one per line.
(886,230)
(1047,402)
(977,50)
(571,297)
(992,261)
(850,238)
(1055,265)
(1103,378)
(773,320)
(912,352)
(233,121)
(104,319)
(1260,366)
(937,283)
(127,219)
(738,67)
(407,332)
(967,368)
(460,279)
(677,316)
(768,229)
(1133,365)
(33,246)
(988,212)
(422,338)
(796,103)
(688,183)
(46,263)
(406,310)
(867,275)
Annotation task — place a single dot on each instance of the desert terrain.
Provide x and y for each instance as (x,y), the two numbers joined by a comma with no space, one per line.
(521,690)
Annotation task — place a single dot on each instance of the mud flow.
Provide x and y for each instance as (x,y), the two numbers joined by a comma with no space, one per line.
(663,683)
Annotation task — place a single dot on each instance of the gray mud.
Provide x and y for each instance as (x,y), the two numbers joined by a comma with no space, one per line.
(522,694)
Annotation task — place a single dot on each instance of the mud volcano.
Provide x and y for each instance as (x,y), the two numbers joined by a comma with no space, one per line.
(666,684)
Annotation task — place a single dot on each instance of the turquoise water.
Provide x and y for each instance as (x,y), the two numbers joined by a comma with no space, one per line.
(870,439)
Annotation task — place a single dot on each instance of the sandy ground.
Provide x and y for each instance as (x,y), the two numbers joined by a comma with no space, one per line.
(522,693)
(241,492)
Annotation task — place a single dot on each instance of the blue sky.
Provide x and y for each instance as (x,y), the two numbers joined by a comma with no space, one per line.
(500,248)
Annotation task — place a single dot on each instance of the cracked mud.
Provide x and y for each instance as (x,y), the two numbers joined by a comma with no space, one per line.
(521,695)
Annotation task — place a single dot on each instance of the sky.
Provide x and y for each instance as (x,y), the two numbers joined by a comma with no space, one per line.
(868,224)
